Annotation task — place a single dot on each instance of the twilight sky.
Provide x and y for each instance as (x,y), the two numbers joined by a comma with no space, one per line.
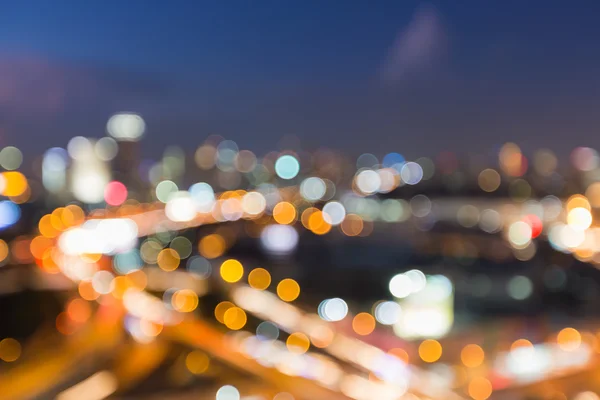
(357,75)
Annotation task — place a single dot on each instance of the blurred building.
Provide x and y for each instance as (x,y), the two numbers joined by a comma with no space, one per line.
(127,130)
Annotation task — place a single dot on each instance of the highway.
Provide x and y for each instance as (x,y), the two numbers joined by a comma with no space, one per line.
(103,336)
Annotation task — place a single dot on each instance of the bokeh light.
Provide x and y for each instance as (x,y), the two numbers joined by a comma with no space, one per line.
(335,309)
(472,356)
(11,158)
(430,350)
(15,183)
(388,312)
(212,246)
(480,388)
(287,167)
(10,213)
(197,362)
(115,193)
(231,271)
(235,318)
(10,350)
(126,127)
(298,343)
(228,392)
(569,339)
(288,290)
(279,239)
(259,279)
(363,324)
(284,213)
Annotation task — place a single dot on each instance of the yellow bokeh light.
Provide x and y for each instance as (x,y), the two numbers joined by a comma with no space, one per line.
(46,227)
(15,183)
(4,250)
(23,197)
(577,201)
(197,362)
(284,213)
(235,318)
(317,224)
(86,291)
(48,264)
(168,260)
(138,279)
(120,285)
(298,343)
(569,339)
(480,388)
(39,245)
(521,343)
(232,270)
(221,309)
(259,278)
(56,219)
(10,350)
(212,246)
(579,218)
(363,324)
(472,355)
(288,290)
(72,215)
(184,300)
(430,350)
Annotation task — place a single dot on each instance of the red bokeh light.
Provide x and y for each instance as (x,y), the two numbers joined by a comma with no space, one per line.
(535,223)
(115,193)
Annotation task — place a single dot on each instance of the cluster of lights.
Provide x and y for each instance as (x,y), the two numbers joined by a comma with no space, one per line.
(393,172)
(80,245)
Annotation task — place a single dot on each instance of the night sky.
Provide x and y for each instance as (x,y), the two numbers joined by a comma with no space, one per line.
(356,75)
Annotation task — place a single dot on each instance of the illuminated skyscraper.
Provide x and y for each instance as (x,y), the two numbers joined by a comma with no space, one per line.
(127,129)
(89,174)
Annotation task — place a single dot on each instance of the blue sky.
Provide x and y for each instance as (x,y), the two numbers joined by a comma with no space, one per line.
(405,75)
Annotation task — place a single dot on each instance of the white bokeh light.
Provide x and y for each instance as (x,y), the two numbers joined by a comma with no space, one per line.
(279,239)
(388,312)
(180,207)
(313,188)
(334,213)
(401,286)
(368,181)
(228,392)
(254,203)
(333,310)
(126,127)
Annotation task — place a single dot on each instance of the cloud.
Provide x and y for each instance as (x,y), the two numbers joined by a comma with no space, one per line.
(30,83)
(415,46)
(35,85)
